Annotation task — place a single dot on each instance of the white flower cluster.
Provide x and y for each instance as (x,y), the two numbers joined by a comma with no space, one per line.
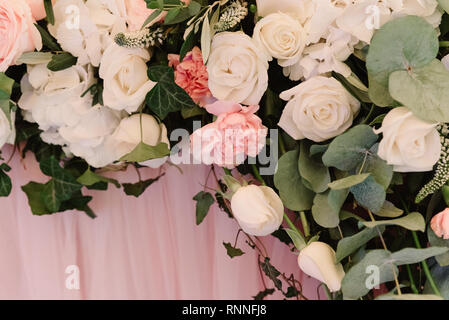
(330,30)
(60,102)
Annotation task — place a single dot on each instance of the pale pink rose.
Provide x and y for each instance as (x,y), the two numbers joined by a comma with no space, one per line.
(37,9)
(17,32)
(236,133)
(440,224)
(137,12)
(191,75)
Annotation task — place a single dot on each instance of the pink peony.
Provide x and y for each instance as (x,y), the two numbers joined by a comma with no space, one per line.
(236,133)
(191,75)
(440,224)
(37,9)
(17,32)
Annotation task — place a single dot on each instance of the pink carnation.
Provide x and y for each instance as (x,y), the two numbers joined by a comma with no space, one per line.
(191,75)
(440,224)
(17,32)
(236,133)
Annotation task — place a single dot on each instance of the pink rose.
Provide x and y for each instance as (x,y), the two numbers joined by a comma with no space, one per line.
(236,133)
(137,12)
(17,32)
(440,224)
(37,9)
(191,75)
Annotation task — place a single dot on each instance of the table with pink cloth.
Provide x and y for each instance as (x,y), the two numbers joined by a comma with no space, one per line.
(137,248)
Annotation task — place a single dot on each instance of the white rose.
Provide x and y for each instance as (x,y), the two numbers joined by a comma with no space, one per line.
(297,8)
(318,109)
(128,135)
(85,29)
(258,209)
(126,82)
(53,99)
(281,37)
(7,128)
(318,260)
(237,69)
(409,143)
(90,138)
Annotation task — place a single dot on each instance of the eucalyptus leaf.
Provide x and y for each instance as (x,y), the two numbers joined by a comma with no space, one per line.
(413,221)
(435,241)
(326,207)
(348,182)
(409,296)
(369,194)
(313,170)
(349,245)
(389,210)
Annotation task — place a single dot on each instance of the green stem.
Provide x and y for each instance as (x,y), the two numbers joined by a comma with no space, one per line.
(426,267)
(281,144)
(305,224)
(444,44)
(227,171)
(291,225)
(257,175)
(369,114)
(412,282)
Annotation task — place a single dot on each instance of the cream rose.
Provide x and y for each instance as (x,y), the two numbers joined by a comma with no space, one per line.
(129,134)
(237,69)
(318,260)
(17,32)
(258,209)
(126,82)
(282,37)
(409,143)
(318,109)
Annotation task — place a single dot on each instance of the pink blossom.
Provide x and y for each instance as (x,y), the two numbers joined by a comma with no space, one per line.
(236,133)
(17,32)
(191,75)
(440,224)
(37,9)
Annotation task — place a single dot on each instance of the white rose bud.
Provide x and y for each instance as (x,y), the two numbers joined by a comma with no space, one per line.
(258,209)
(318,109)
(237,69)
(409,143)
(126,82)
(282,37)
(128,135)
(318,260)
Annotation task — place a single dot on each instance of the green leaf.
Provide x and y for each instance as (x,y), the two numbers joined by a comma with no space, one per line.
(61,61)
(413,255)
(47,40)
(187,45)
(349,149)
(143,152)
(271,272)
(423,90)
(348,182)
(206,38)
(288,181)
(379,169)
(204,201)
(89,178)
(180,14)
(232,252)
(444,4)
(166,96)
(35,58)
(409,296)
(312,170)
(187,113)
(402,43)
(388,210)
(49,11)
(137,189)
(5,184)
(369,194)
(151,17)
(263,294)
(326,207)
(413,221)
(349,245)
(33,191)
(6,85)
(378,93)
(297,238)
(435,241)
(354,285)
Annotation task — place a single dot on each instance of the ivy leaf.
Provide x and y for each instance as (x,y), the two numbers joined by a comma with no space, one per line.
(232,252)
(89,178)
(143,152)
(61,61)
(291,292)
(313,170)
(271,272)
(33,190)
(5,184)
(288,181)
(204,201)
(166,96)
(263,294)
(348,150)
(137,189)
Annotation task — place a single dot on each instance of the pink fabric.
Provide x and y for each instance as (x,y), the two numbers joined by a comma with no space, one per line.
(145,248)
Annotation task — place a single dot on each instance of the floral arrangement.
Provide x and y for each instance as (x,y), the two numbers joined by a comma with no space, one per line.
(324,123)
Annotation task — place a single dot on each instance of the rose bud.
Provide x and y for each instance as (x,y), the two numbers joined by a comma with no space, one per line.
(440,224)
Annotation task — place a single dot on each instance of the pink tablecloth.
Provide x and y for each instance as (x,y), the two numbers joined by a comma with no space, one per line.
(145,248)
